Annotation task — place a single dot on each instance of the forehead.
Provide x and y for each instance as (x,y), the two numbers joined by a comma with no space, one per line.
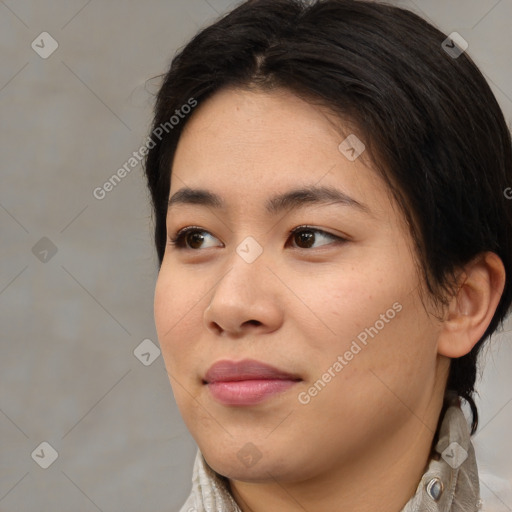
(241,144)
(244,118)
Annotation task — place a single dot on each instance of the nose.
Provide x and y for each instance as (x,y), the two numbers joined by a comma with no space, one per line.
(246,299)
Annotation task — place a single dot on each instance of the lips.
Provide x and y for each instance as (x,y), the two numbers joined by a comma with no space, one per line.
(246,382)
(248,369)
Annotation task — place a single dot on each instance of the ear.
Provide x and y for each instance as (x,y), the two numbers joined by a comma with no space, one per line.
(470,311)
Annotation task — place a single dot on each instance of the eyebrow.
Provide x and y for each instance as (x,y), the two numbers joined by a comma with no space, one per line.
(291,200)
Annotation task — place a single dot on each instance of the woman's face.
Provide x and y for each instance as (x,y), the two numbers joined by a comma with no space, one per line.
(335,306)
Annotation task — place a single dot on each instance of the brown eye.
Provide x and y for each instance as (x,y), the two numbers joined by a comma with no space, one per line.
(305,237)
(190,238)
(194,239)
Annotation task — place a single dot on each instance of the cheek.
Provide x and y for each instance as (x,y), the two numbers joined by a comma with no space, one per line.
(378,385)
(175,319)
(355,304)
(386,340)
(176,325)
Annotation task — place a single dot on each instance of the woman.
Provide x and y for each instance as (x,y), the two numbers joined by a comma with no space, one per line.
(335,247)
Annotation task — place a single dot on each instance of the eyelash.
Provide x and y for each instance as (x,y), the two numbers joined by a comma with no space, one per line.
(179,238)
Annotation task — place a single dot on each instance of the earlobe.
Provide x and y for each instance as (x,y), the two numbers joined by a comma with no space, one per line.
(471,310)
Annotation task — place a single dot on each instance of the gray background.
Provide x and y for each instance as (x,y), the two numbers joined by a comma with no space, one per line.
(70,324)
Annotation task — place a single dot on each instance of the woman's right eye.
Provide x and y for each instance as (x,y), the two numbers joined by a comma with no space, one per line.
(190,237)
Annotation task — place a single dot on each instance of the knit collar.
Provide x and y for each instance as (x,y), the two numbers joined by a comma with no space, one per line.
(450,483)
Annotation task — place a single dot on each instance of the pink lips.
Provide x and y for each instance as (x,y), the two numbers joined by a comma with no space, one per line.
(246,382)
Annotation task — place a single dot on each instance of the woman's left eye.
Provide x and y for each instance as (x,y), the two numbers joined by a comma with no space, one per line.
(305,237)
(308,236)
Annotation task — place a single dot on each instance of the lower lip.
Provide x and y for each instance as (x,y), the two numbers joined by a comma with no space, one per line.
(248,392)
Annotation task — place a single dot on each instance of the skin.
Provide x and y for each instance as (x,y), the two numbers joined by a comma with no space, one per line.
(299,306)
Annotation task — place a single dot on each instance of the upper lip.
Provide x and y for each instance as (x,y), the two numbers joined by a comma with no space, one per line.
(248,369)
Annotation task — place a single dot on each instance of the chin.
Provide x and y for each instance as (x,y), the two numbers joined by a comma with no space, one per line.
(236,468)
(251,464)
